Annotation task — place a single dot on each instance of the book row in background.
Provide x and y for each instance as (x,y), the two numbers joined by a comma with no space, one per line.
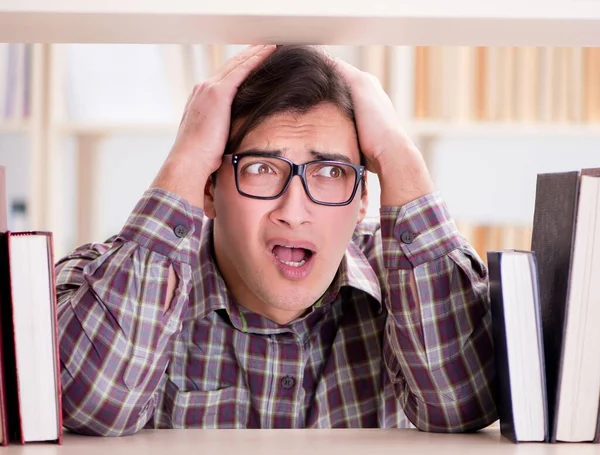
(30,389)
(546,313)
(15,81)
(460,83)
(507,84)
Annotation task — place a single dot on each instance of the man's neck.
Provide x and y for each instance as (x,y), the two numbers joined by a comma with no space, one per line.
(280,317)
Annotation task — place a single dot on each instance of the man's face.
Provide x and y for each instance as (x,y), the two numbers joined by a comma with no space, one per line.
(252,236)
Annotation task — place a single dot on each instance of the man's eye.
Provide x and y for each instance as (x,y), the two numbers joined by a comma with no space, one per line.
(332,172)
(259,169)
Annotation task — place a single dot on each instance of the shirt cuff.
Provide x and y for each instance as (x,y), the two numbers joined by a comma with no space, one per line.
(165,223)
(418,232)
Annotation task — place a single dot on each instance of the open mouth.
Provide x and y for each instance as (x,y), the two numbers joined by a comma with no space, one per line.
(292,256)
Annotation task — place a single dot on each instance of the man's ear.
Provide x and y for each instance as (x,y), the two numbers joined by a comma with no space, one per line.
(364,201)
(209,199)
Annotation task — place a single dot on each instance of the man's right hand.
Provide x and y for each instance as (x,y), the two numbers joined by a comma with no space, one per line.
(204,129)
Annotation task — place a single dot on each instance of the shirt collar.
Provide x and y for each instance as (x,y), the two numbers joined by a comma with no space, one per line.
(213,293)
(355,272)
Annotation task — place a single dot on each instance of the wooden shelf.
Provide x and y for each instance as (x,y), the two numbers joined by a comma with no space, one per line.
(14,127)
(461,22)
(102,129)
(488,129)
(425,128)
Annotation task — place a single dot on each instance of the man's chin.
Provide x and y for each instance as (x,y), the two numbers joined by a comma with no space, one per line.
(291,298)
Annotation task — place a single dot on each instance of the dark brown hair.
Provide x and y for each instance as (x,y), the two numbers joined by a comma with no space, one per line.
(294,79)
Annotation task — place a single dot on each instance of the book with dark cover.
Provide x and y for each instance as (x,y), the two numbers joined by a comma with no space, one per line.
(503,386)
(554,219)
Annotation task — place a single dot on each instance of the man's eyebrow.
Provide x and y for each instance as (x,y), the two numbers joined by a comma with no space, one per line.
(274,152)
(330,156)
(327,156)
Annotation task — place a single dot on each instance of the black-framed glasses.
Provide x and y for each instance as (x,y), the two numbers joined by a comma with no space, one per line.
(268,176)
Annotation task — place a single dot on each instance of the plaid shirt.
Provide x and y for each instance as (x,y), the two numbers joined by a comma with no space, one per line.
(378,350)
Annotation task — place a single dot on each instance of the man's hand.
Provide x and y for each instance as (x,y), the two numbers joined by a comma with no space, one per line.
(388,150)
(204,129)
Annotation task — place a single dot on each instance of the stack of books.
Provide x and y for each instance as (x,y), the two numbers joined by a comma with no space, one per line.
(546,316)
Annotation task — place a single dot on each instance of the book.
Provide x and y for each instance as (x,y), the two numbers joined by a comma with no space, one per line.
(3,228)
(30,388)
(566,241)
(3,201)
(518,347)
(30,359)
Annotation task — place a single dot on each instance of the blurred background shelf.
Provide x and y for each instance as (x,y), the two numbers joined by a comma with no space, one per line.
(433,128)
(419,128)
(425,128)
(14,127)
(104,129)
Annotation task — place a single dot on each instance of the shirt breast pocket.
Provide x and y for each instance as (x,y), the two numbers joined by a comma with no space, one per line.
(223,408)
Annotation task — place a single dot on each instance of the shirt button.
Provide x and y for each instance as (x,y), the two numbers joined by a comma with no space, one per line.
(407,237)
(180,230)
(288,382)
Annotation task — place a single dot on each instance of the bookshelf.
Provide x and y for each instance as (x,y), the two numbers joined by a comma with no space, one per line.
(428,85)
(14,127)
(92,128)
(470,22)
(491,129)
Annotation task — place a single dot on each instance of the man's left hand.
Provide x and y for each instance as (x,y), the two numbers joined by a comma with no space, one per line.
(388,150)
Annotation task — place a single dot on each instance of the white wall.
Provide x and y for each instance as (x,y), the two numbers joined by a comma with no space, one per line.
(492,180)
(129,164)
(13,155)
(116,83)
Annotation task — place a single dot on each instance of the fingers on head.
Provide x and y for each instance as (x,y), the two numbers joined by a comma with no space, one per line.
(238,74)
(240,66)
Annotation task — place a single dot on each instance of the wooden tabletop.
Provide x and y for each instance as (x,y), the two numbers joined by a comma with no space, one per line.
(297,442)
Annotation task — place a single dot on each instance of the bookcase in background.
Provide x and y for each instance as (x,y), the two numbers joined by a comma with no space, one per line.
(25,98)
(525,85)
(438,91)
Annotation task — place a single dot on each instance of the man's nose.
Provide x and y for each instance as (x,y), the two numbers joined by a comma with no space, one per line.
(294,205)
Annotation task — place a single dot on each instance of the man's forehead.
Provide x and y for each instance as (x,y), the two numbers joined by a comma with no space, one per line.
(320,133)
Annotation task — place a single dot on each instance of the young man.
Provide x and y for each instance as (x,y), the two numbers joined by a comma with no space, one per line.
(246,291)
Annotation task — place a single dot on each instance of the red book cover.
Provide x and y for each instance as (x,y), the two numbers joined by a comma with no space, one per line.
(3,411)
(3,266)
